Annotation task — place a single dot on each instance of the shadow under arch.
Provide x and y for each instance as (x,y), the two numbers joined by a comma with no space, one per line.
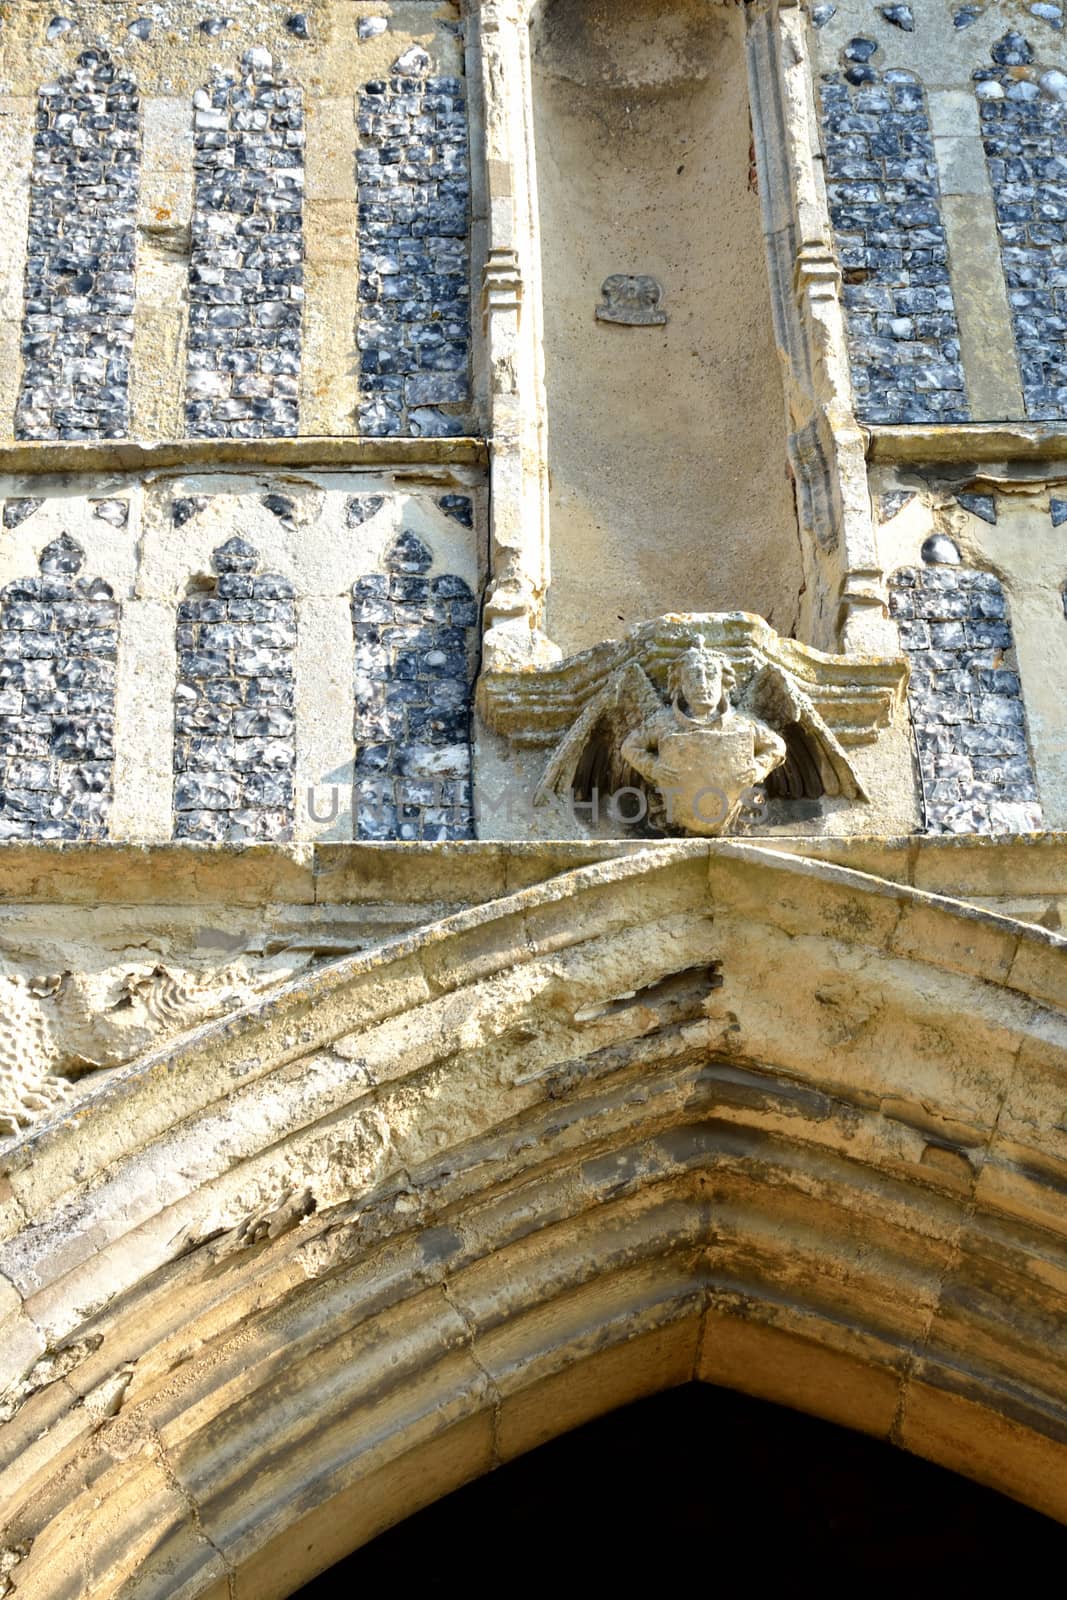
(702,1112)
(685,1481)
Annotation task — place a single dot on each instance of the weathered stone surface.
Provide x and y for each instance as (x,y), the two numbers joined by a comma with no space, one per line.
(560,1075)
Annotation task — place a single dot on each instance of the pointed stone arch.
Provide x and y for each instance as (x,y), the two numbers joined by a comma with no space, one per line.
(705,1111)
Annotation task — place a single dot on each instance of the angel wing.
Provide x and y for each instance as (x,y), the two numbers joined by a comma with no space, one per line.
(590,757)
(815,764)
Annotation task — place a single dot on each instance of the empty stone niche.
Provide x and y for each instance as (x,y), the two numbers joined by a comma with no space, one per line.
(641,123)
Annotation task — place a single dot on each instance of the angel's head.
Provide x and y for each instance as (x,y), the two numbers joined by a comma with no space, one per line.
(700,682)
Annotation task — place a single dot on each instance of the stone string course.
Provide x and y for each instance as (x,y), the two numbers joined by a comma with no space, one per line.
(234,750)
(414,287)
(1024,130)
(966,702)
(884,201)
(77,332)
(413,699)
(246,276)
(58,648)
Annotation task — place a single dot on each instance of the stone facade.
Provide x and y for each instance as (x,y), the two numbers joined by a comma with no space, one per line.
(233,745)
(370,1111)
(884,197)
(414,289)
(58,647)
(246,272)
(413,698)
(77,332)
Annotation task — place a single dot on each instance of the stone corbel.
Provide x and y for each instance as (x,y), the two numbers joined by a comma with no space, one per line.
(687,706)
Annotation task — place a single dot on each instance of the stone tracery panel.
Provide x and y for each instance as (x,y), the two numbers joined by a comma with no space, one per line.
(414,288)
(413,685)
(77,331)
(246,273)
(234,728)
(58,649)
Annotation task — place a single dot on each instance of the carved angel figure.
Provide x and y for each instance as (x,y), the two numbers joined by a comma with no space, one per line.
(702,760)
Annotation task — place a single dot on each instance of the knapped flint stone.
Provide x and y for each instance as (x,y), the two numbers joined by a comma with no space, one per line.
(63,556)
(77,330)
(979,505)
(183,510)
(966,708)
(408,554)
(906,367)
(236,555)
(245,315)
(460,507)
(115,512)
(16,511)
(234,727)
(58,638)
(361,507)
(414,211)
(1013,50)
(279,505)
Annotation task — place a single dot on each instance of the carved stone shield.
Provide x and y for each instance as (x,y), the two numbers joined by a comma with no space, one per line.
(705,774)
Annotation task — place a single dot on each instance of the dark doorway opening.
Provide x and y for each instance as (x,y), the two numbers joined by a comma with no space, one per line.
(703,1485)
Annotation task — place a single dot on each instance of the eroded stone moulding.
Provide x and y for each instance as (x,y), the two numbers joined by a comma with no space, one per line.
(884,199)
(413,686)
(966,700)
(246,273)
(234,749)
(77,331)
(58,649)
(414,252)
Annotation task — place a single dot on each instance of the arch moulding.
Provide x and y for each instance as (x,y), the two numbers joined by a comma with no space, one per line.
(703,1111)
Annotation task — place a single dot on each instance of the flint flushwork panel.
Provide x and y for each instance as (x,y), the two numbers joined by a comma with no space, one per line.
(77,331)
(234,749)
(1024,130)
(58,649)
(413,699)
(884,201)
(414,286)
(966,701)
(246,273)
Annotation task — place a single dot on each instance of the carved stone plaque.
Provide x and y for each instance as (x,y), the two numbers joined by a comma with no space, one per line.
(633,299)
